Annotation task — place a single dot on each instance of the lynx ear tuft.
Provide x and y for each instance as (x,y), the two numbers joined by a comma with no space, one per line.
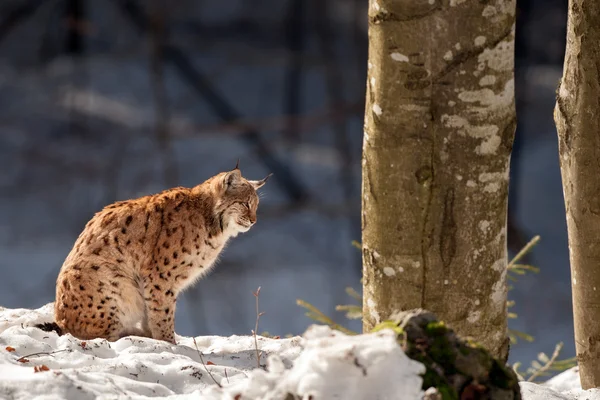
(259,184)
(237,165)
(232,178)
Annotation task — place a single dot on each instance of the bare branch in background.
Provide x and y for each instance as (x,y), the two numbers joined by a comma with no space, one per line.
(359,35)
(131,118)
(284,175)
(255,330)
(304,123)
(294,34)
(158,33)
(74,14)
(331,210)
(17,15)
(335,92)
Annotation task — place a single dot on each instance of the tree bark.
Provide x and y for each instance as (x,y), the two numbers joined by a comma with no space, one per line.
(576,116)
(439,128)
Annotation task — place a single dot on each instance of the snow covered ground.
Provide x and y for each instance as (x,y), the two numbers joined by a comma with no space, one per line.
(322,364)
(564,386)
(326,365)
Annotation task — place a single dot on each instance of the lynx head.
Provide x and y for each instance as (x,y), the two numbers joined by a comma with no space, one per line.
(237,200)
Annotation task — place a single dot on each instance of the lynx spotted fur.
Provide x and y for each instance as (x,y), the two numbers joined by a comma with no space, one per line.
(134,257)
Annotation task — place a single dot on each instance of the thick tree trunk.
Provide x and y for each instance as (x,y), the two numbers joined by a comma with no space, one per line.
(577,116)
(439,128)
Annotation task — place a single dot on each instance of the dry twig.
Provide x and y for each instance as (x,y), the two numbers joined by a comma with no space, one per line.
(42,353)
(544,368)
(258,314)
(317,315)
(205,367)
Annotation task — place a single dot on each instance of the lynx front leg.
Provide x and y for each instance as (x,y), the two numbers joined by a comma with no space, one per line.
(160,311)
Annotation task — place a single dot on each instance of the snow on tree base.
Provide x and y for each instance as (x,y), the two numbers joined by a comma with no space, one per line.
(321,365)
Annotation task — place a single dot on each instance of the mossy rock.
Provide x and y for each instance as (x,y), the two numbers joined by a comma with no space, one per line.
(459,369)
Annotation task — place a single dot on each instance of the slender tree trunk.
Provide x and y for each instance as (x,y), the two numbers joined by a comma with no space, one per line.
(75,15)
(439,128)
(577,116)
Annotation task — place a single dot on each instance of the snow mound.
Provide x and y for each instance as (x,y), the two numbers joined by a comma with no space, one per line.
(323,364)
(334,365)
(564,386)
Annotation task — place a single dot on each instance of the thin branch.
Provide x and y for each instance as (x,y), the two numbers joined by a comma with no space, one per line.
(42,353)
(303,122)
(316,314)
(205,367)
(110,110)
(17,15)
(334,78)
(158,33)
(335,91)
(539,372)
(293,80)
(515,367)
(523,251)
(74,15)
(359,36)
(258,314)
(112,382)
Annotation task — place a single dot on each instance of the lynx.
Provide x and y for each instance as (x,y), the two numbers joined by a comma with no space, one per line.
(134,257)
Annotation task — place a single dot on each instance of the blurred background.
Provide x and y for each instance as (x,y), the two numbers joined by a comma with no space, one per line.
(109,100)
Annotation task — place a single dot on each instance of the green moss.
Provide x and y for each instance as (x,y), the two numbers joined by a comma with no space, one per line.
(447,392)
(500,376)
(440,348)
(393,325)
(450,360)
(438,356)
(436,328)
(474,363)
(432,379)
(472,343)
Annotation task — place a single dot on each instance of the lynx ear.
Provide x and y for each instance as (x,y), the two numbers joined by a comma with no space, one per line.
(259,184)
(232,178)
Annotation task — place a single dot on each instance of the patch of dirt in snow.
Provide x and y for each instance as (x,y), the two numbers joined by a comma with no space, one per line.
(324,363)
